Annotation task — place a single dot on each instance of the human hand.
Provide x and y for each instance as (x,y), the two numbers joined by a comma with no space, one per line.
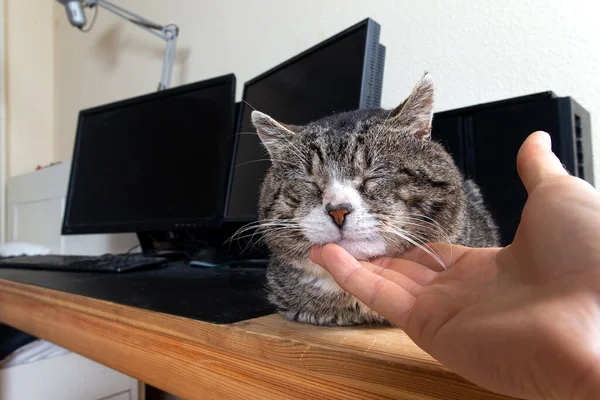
(522,321)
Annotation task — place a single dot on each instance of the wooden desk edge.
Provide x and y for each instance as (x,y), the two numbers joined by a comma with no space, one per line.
(267,356)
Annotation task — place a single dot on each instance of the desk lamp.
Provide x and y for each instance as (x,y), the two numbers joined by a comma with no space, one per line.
(168,32)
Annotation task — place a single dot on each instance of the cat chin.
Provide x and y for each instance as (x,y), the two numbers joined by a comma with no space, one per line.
(364,250)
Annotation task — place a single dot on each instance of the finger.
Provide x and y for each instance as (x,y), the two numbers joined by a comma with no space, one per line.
(391,269)
(400,279)
(378,293)
(448,253)
(420,274)
(536,162)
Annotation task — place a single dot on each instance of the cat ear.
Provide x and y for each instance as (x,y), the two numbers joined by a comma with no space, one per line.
(416,113)
(272,133)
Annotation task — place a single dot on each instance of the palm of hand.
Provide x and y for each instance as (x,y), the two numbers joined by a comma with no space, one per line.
(514,329)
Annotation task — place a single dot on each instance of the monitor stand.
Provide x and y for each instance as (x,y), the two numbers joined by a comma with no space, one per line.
(194,247)
(160,244)
(212,257)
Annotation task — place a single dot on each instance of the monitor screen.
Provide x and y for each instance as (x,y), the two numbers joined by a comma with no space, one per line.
(155,162)
(326,79)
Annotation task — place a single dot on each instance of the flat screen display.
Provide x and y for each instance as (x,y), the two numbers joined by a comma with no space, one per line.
(156,162)
(325,80)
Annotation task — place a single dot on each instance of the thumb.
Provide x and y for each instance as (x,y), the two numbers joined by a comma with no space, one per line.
(536,162)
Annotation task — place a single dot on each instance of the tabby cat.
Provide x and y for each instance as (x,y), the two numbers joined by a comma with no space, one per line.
(371,181)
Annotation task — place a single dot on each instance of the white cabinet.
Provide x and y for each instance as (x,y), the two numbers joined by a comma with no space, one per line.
(66,377)
(36,203)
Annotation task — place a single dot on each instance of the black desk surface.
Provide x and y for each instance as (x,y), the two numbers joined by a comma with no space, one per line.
(220,296)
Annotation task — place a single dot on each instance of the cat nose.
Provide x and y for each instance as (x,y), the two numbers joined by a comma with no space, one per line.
(338,212)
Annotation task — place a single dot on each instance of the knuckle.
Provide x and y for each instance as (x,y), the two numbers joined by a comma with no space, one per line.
(378,285)
(350,276)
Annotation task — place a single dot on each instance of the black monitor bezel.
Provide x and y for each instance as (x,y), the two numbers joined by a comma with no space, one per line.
(163,225)
(368,24)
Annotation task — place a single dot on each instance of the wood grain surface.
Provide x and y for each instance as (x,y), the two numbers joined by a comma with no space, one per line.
(262,358)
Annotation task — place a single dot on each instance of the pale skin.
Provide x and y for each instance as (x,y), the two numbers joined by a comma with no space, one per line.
(523,320)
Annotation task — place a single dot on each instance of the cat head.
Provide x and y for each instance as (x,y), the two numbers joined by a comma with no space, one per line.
(370,180)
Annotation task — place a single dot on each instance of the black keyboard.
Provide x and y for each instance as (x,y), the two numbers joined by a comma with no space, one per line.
(106,263)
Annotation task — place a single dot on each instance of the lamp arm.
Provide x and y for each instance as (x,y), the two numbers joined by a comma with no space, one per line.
(168,33)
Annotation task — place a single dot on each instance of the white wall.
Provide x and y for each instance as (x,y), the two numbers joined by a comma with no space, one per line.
(3,149)
(476,50)
(29,46)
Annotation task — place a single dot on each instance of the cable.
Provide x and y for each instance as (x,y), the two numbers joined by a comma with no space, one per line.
(91,25)
(132,249)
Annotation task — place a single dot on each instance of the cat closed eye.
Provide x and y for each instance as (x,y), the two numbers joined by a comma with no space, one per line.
(370,182)
(318,189)
(314,186)
(372,179)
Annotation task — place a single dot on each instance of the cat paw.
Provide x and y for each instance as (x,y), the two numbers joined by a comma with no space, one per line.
(324,319)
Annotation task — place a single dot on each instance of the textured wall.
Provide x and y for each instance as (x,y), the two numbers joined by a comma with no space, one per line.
(477,51)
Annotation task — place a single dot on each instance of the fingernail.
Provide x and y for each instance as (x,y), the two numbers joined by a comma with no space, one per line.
(547,139)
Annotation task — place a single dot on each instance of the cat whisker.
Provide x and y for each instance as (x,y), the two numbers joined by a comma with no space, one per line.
(261,237)
(423,217)
(260,230)
(431,229)
(249,105)
(266,220)
(246,133)
(267,231)
(417,238)
(266,223)
(415,243)
(252,161)
(258,225)
(242,133)
(434,227)
(428,244)
(444,235)
(262,234)
(426,220)
(415,220)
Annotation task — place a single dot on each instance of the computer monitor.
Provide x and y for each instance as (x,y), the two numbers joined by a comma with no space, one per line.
(343,73)
(157,162)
